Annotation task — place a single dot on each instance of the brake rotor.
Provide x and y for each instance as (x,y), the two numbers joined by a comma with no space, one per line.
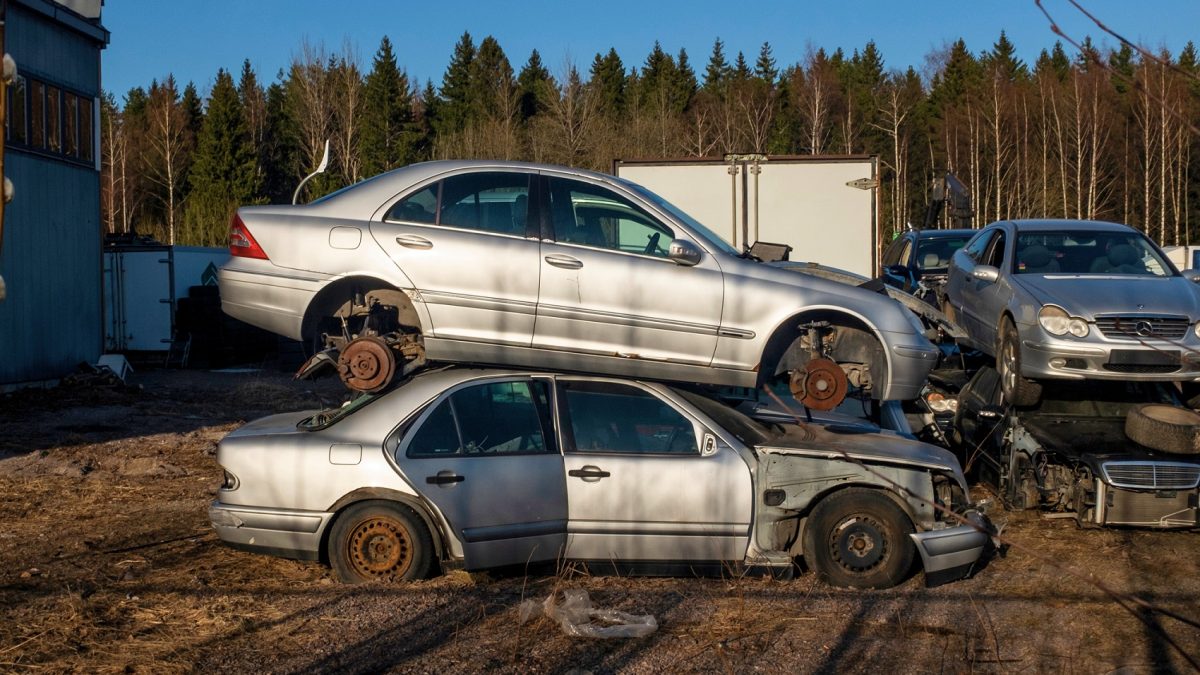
(367,364)
(820,385)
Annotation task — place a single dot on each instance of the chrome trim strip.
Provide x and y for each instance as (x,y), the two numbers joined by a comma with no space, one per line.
(735,333)
(478,302)
(579,314)
(1165,483)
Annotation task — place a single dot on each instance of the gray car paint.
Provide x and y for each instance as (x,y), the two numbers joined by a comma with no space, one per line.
(500,298)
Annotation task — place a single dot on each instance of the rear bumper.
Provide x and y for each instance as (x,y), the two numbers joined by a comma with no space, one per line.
(293,534)
(269,300)
(950,554)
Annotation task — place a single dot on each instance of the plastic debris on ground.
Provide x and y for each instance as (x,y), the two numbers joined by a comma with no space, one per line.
(578,618)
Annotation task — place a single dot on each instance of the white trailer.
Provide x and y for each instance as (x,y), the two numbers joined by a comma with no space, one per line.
(824,207)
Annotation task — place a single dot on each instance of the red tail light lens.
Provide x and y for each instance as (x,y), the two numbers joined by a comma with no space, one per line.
(241,242)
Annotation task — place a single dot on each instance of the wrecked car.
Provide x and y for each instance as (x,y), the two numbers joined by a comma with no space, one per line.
(1074,300)
(476,468)
(916,262)
(531,265)
(1104,453)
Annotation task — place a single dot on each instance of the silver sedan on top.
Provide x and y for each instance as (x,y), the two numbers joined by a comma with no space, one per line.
(486,468)
(1074,299)
(542,266)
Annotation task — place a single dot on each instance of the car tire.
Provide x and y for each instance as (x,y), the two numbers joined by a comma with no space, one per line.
(858,537)
(1164,428)
(379,540)
(1018,391)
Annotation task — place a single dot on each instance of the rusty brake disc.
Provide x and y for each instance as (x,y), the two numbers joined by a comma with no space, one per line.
(820,385)
(367,364)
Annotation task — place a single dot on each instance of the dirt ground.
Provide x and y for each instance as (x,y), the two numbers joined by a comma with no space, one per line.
(107,564)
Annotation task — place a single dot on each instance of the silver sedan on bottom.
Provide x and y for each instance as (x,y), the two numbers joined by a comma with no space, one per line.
(481,468)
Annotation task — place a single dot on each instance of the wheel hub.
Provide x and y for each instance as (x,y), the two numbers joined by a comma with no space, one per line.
(367,364)
(380,548)
(858,544)
(819,385)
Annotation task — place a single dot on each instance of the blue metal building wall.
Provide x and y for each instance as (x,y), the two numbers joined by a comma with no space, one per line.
(52,318)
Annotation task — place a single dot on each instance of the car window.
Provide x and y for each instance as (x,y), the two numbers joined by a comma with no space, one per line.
(697,227)
(995,252)
(934,253)
(594,216)
(488,201)
(904,253)
(1088,252)
(975,248)
(610,417)
(498,418)
(419,207)
(892,255)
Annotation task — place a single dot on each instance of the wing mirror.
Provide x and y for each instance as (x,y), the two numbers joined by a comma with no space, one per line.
(684,252)
(1192,276)
(986,273)
(897,270)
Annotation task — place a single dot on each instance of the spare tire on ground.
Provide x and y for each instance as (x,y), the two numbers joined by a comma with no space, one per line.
(1165,428)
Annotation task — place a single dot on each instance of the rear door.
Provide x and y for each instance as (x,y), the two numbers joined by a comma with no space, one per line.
(485,456)
(464,242)
(647,482)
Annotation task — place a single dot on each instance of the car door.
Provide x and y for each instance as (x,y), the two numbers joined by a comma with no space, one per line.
(607,286)
(486,457)
(962,287)
(645,481)
(463,240)
(992,296)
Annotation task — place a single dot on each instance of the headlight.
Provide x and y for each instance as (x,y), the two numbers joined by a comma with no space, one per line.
(938,402)
(1197,329)
(1056,321)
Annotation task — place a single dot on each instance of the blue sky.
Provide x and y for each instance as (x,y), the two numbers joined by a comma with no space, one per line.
(192,38)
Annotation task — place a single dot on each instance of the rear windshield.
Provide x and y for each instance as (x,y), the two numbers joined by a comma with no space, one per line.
(331,416)
(1088,252)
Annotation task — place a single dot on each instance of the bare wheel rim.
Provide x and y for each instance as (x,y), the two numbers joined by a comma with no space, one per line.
(381,548)
(1008,363)
(859,544)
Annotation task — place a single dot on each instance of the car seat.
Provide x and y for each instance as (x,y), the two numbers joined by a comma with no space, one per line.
(1037,259)
(1120,259)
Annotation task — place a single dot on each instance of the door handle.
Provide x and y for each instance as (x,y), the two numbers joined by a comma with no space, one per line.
(445,478)
(414,241)
(564,261)
(589,473)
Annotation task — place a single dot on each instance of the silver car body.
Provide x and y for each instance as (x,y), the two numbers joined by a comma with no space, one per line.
(525,296)
(702,502)
(1132,319)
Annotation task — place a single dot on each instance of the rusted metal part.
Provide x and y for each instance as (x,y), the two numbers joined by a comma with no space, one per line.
(367,364)
(380,548)
(820,385)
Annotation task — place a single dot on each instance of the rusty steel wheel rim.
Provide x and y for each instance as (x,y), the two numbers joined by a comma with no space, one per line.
(380,548)
(859,544)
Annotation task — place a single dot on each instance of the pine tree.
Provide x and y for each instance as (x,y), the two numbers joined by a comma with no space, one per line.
(764,67)
(608,81)
(717,73)
(684,82)
(387,121)
(281,152)
(492,86)
(530,82)
(223,173)
(454,106)
(1003,60)
(193,109)
(741,70)
(254,113)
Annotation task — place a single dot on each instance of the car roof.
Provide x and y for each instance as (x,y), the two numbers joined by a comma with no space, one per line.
(1043,225)
(945,234)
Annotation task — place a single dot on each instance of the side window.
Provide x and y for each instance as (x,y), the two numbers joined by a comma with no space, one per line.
(490,202)
(975,248)
(906,254)
(608,417)
(892,255)
(420,207)
(499,418)
(594,216)
(995,252)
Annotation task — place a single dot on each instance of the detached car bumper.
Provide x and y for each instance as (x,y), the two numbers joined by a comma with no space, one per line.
(291,534)
(910,367)
(949,554)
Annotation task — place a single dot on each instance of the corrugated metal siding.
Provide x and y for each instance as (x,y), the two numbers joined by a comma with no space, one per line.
(47,49)
(51,320)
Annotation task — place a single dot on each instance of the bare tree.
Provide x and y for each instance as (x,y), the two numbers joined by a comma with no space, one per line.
(168,141)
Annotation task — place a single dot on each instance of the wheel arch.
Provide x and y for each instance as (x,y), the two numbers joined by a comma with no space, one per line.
(786,332)
(370,494)
(333,297)
(802,525)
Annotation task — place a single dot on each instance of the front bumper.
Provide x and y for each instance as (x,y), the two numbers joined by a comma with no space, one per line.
(950,554)
(292,534)
(1044,356)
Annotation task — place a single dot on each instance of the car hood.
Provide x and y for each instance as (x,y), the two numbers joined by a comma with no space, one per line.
(838,441)
(1089,295)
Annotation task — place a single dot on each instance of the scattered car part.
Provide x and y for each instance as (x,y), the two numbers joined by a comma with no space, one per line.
(1163,427)
(578,618)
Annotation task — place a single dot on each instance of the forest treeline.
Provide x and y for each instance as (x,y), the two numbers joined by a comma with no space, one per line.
(1078,135)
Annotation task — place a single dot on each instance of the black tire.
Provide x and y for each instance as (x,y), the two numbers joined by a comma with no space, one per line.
(1018,391)
(379,540)
(1165,428)
(858,537)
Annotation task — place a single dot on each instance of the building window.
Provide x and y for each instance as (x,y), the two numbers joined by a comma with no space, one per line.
(51,120)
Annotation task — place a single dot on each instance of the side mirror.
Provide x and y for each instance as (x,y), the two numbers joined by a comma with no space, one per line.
(986,273)
(897,271)
(684,252)
(1192,276)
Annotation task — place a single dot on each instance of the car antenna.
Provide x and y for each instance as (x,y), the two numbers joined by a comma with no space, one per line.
(320,169)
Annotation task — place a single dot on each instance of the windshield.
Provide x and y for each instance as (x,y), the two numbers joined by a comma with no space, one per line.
(708,235)
(934,253)
(746,430)
(1088,252)
(331,416)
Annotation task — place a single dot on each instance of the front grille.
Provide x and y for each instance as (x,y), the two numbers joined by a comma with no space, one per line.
(1133,327)
(1138,368)
(1152,475)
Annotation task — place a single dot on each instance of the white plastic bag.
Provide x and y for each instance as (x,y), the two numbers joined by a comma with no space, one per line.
(578,618)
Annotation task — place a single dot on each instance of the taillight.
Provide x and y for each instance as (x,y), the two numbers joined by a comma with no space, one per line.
(241,242)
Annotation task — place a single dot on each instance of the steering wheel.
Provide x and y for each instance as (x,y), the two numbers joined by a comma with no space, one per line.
(653,243)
